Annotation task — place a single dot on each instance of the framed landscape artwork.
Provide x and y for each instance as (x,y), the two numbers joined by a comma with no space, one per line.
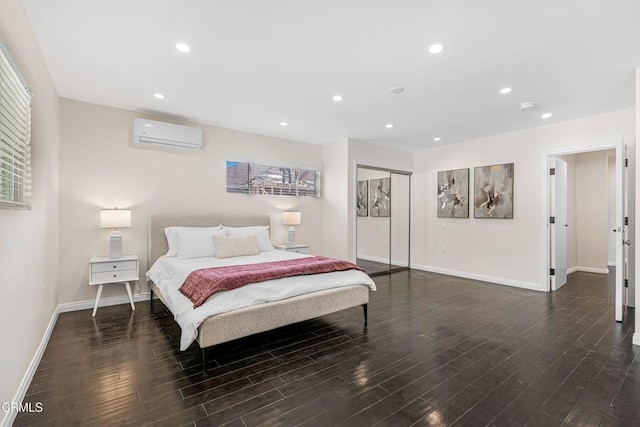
(380,197)
(493,191)
(362,201)
(453,193)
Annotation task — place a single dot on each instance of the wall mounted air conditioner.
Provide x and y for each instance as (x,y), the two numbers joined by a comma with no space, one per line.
(159,134)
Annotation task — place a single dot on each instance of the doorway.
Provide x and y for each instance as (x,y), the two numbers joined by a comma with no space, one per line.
(383,201)
(584,213)
(587,210)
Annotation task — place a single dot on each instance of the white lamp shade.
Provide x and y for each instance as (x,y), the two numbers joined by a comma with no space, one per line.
(291,218)
(115,218)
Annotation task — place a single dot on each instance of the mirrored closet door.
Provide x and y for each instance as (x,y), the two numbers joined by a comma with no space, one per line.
(383,200)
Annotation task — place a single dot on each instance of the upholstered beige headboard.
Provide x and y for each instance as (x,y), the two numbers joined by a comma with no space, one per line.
(158,241)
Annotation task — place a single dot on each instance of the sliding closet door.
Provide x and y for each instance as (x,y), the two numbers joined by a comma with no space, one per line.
(400,220)
(383,201)
(373,220)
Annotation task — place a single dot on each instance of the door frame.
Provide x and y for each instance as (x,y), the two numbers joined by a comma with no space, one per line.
(546,208)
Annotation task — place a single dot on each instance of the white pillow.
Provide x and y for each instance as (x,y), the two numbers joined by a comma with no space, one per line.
(260,231)
(172,238)
(227,247)
(197,243)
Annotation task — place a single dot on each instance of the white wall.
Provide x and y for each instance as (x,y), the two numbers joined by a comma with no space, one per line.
(505,251)
(336,199)
(100,168)
(29,242)
(592,211)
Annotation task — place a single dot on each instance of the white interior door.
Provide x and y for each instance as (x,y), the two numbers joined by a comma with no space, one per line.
(620,229)
(559,227)
(630,228)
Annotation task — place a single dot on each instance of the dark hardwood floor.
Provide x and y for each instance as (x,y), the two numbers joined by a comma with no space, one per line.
(376,268)
(438,350)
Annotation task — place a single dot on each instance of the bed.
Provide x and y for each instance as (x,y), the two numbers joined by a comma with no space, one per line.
(208,330)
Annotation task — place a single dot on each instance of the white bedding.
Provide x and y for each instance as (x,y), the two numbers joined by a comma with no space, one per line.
(169,273)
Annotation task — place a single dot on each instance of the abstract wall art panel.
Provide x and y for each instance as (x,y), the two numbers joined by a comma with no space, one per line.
(453,194)
(251,178)
(362,202)
(493,191)
(380,196)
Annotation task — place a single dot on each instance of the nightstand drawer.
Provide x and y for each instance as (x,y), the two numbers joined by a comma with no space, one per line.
(113,266)
(114,276)
(298,250)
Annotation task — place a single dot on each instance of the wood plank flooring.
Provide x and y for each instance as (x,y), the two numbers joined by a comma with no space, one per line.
(438,350)
(374,268)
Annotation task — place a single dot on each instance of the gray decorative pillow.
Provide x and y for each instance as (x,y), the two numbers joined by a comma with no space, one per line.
(227,247)
(260,231)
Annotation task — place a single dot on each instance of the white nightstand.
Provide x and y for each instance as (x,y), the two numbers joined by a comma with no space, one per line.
(297,248)
(105,270)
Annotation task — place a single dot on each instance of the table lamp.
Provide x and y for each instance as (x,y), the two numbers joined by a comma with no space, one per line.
(116,219)
(291,219)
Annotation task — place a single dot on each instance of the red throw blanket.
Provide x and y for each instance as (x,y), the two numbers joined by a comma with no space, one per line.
(201,284)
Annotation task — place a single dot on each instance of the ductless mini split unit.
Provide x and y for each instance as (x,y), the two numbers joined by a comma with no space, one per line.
(159,134)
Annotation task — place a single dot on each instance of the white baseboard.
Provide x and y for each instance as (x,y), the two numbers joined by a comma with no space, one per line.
(588,270)
(591,270)
(383,260)
(492,279)
(104,302)
(636,338)
(611,263)
(10,416)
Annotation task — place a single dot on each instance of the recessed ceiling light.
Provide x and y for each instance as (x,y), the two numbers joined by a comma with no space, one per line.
(338,98)
(396,90)
(158,96)
(183,47)
(506,90)
(389,125)
(148,125)
(436,139)
(546,116)
(436,48)
(283,123)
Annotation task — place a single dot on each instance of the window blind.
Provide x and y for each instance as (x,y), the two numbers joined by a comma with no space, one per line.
(15,136)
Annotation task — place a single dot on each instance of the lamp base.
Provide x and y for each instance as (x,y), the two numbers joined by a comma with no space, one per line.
(291,238)
(115,245)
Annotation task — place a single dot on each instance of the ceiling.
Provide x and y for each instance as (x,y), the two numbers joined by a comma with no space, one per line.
(254,63)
